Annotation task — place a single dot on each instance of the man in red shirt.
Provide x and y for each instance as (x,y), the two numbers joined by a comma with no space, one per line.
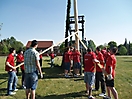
(9,67)
(104,51)
(67,61)
(52,56)
(89,71)
(110,69)
(99,74)
(20,59)
(77,64)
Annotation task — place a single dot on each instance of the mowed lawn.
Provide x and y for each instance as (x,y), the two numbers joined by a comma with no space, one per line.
(55,86)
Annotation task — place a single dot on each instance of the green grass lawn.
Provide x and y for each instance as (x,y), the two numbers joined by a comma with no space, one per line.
(55,86)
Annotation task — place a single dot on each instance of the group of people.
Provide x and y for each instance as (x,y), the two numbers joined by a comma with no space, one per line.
(93,74)
(72,60)
(30,69)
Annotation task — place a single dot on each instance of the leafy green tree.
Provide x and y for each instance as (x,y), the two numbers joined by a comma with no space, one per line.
(126,45)
(112,44)
(130,48)
(91,45)
(4,49)
(101,46)
(8,43)
(62,47)
(122,50)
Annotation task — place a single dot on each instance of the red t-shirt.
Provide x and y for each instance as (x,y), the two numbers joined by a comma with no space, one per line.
(20,58)
(107,54)
(101,59)
(88,61)
(111,62)
(52,56)
(104,53)
(40,56)
(10,59)
(67,56)
(76,56)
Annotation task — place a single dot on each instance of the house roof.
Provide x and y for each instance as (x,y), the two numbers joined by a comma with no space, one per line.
(41,44)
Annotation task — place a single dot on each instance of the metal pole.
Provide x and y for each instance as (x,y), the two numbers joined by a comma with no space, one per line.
(76,24)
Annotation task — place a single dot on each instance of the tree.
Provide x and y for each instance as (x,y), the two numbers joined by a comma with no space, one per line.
(130,49)
(112,44)
(126,45)
(101,46)
(4,49)
(10,42)
(91,45)
(62,47)
(122,50)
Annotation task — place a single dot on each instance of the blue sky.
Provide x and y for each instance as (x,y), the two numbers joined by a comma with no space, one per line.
(106,20)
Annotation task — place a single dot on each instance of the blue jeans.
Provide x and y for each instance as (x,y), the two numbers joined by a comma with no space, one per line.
(12,82)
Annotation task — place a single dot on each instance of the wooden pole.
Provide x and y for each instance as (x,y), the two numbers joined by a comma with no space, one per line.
(76,24)
(81,42)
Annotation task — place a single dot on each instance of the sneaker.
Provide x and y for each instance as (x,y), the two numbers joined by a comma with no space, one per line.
(91,97)
(94,89)
(75,75)
(107,97)
(67,76)
(23,86)
(12,93)
(102,94)
(16,90)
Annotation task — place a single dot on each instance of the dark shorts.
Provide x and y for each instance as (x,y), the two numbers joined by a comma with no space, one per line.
(109,83)
(31,80)
(67,65)
(77,65)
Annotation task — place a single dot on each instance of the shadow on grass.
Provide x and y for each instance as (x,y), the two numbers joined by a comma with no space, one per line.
(3,91)
(128,61)
(3,75)
(47,60)
(55,72)
(3,82)
(64,96)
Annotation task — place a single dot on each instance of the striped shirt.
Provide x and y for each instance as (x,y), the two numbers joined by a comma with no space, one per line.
(30,58)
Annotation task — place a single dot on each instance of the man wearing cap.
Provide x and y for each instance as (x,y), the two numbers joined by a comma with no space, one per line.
(32,66)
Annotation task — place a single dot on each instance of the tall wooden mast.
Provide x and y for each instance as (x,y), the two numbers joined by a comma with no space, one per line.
(76,24)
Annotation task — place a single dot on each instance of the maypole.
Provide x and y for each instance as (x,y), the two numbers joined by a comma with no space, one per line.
(67,21)
(76,24)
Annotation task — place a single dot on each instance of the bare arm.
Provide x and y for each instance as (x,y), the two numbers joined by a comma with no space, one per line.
(110,69)
(8,64)
(39,68)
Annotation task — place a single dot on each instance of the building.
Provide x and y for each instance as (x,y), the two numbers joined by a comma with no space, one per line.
(42,45)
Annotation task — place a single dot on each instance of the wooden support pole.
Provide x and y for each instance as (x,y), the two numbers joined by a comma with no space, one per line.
(81,42)
(76,24)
